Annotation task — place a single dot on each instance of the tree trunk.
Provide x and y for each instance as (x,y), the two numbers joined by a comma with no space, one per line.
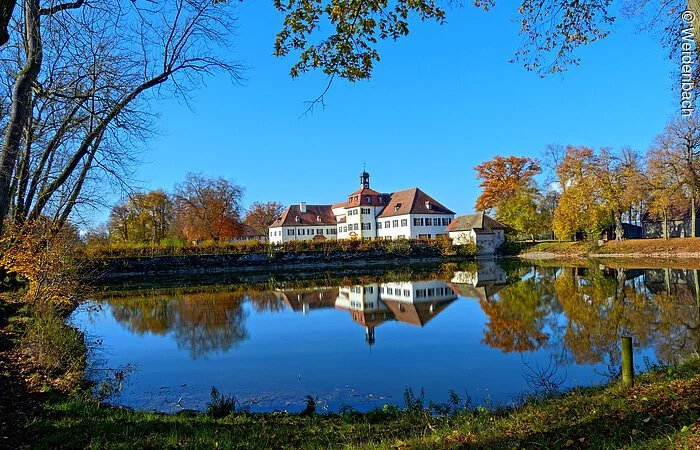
(665,225)
(6,9)
(21,104)
(693,216)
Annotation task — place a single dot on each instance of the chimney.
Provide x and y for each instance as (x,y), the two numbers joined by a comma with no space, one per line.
(302,207)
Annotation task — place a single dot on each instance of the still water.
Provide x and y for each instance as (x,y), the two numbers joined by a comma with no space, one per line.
(481,330)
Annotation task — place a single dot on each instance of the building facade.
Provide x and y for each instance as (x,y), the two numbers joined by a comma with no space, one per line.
(366,214)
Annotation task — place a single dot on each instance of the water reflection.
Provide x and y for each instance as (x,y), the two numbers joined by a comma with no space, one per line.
(201,322)
(577,313)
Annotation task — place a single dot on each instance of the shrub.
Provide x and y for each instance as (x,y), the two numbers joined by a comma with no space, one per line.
(445,246)
(468,249)
(220,405)
(399,247)
(56,348)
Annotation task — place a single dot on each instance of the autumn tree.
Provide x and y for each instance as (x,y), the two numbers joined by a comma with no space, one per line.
(207,208)
(580,208)
(619,177)
(502,177)
(523,212)
(663,185)
(143,218)
(508,186)
(261,215)
(678,149)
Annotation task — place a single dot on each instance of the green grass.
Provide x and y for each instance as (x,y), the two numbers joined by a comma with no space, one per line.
(661,411)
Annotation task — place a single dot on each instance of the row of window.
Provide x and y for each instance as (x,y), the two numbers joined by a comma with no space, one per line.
(354,212)
(396,292)
(360,289)
(309,232)
(433,292)
(368,199)
(431,222)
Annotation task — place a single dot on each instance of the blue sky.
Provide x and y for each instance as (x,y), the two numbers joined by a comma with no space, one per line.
(440,102)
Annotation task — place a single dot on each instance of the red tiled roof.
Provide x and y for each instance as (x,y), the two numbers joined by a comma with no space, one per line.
(412,201)
(479,222)
(363,195)
(339,205)
(309,218)
(416,313)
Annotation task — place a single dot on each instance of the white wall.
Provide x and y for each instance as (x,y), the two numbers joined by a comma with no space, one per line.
(281,234)
(395,229)
(487,243)
(432,290)
(432,230)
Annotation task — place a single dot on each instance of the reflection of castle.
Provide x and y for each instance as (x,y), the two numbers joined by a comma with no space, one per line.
(482,283)
(411,302)
(414,302)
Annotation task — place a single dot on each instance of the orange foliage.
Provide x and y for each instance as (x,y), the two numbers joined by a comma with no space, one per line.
(501,177)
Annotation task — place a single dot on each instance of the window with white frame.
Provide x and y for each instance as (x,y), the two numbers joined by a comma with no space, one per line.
(404,222)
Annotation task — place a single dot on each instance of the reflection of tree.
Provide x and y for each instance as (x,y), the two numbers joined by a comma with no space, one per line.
(516,319)
(266,301)
(599,306)
(201,322)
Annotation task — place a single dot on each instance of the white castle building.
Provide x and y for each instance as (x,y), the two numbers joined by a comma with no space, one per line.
(367,214)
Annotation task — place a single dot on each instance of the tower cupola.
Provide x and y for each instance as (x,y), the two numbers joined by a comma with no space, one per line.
(364,179)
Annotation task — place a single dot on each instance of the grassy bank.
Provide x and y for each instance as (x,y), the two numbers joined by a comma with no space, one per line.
(655,248)
(661,411)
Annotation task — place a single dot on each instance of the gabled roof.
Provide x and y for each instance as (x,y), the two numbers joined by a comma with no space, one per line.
(315,215)
(413,201)
(479,222)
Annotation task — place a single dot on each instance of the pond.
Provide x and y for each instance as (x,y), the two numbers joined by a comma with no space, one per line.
(489,332)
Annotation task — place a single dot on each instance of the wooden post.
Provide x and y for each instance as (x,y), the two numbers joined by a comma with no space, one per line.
(627,361)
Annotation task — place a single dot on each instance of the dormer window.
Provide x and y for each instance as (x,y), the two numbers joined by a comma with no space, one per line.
(397,207)
(428,205)
(368,198)
(318,218)
(297,219)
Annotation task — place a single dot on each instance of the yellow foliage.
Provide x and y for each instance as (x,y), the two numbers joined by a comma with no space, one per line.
(43,256)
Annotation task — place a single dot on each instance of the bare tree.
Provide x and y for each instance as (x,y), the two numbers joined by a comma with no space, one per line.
(84,74)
